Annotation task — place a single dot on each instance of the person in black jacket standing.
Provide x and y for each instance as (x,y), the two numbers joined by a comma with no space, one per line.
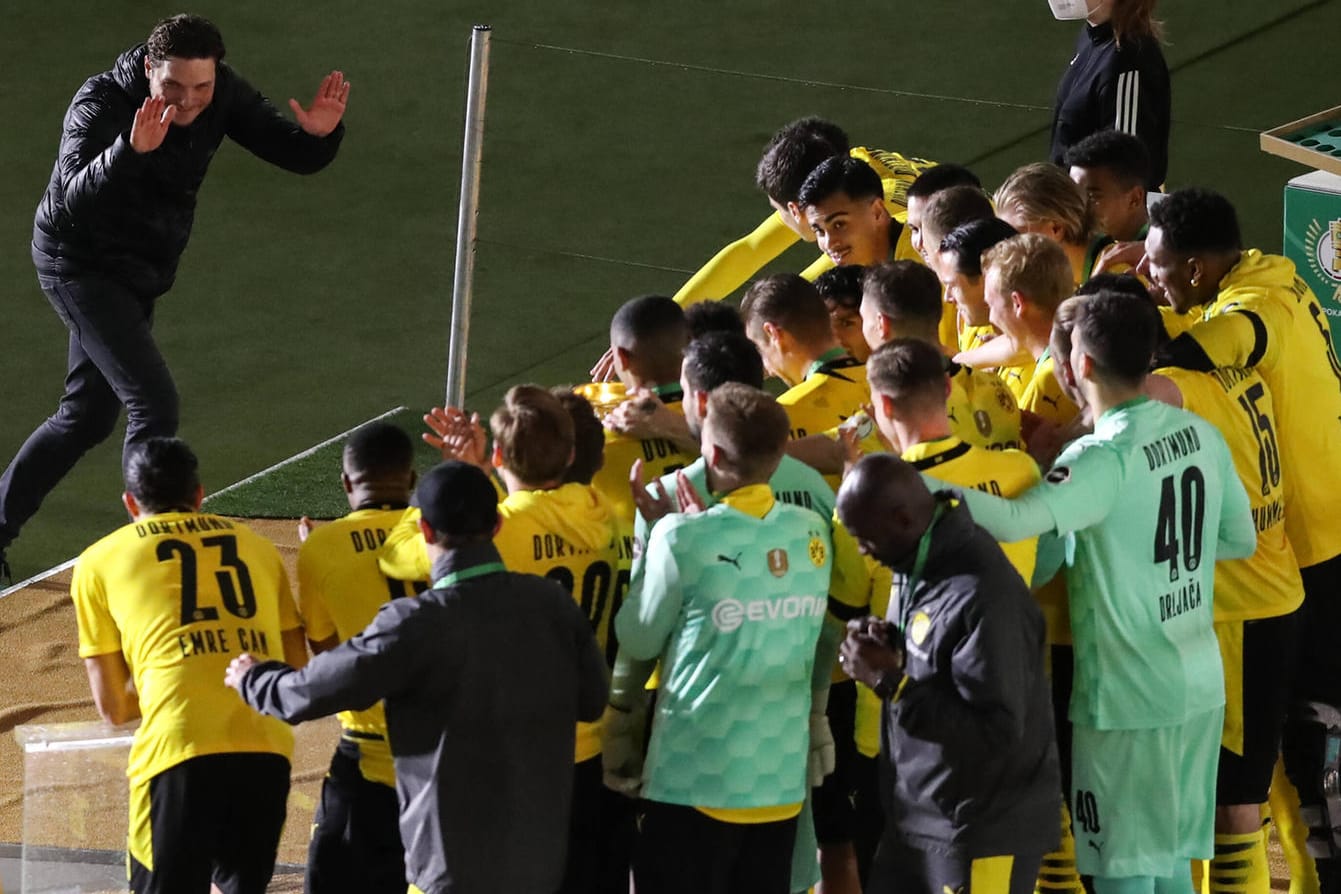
(485,676)
(109,232)
(1118,80)
(969,771)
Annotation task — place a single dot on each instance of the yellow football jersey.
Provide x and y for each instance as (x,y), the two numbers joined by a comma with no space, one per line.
(1175,324)
(731,267)
(1044,397)
(1003,473)
(1238,403)
(570,535)
(1265,317)
(340,589)
(982,410)
(1017,379)
(180,595)
(970,337)
(659,455)
(828,395)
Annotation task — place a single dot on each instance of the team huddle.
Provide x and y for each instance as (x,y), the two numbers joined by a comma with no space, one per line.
(1026,579)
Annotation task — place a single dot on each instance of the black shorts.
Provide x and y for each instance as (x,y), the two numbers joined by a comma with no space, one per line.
(681,849)
(600,835)
(356,844)
(214,818)
(1257,656)
(832,802)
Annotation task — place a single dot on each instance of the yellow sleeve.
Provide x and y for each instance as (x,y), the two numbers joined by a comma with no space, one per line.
(1242,335)
(311,600)
(818,266)
(404,556)
(850,579)
(732,266)
(98,633)
(288,609)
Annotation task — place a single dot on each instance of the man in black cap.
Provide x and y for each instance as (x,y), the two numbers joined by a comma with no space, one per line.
(482,738)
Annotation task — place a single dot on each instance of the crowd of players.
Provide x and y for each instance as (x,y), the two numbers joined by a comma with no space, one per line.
(1025,581)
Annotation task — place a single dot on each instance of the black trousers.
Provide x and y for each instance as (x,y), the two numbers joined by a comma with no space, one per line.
(356,845)
(112,362)
(682,850)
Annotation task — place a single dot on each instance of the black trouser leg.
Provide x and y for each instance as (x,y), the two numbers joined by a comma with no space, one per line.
(112,361)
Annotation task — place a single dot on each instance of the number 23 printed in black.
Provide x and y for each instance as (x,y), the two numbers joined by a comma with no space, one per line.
(233,579)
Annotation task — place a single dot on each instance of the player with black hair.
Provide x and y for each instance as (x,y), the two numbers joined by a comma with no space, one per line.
(703,317)
(1113,168)
(841,290)
(355,837)
(1149,474)
(162,603)
(1255,313)
(788,158)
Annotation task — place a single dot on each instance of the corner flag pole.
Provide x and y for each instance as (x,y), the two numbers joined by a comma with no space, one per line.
(463,281)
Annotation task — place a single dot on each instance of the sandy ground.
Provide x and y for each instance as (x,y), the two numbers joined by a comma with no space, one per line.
(45,683)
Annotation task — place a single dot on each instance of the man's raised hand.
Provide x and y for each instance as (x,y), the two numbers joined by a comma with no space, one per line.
(152,120)
(324,115)
(457,436)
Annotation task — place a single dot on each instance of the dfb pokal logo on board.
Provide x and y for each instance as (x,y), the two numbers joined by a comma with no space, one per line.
(1321,241)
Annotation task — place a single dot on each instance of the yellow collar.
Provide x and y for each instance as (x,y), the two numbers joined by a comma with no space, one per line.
(752,499)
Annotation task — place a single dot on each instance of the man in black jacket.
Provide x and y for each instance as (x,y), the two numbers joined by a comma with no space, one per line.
(485,677)
(969,774)
(135,146)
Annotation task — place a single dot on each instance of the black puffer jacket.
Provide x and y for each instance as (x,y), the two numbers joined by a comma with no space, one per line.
(970,757)
(112,211)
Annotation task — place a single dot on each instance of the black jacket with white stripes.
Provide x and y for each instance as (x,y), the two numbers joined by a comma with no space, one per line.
(1112,87)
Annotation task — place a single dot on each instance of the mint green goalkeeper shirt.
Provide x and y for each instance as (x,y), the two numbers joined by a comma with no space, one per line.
(733,605)
(1145,505)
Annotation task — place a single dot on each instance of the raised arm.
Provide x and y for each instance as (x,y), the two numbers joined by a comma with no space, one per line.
(1079,491)
(732,266)
(96,152)
(304,147)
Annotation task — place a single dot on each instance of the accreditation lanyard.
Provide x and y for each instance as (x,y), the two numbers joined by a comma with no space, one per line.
(919,566)
(823,360)
(465,574)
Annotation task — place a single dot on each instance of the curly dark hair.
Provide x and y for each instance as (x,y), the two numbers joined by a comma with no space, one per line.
(185,36)
(1196,220)
(794,152)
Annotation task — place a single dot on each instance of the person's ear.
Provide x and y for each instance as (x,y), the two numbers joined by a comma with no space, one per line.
(198,498)
(132,506)
(715,455)
(700,399)
(346,482)
(498,526)
(1017,303)
(425,529)
(949,386)
(773,332)
(886,405)
(621,358)
(885,325)
(496,456)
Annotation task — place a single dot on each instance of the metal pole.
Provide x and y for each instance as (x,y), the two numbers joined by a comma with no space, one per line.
(463,281)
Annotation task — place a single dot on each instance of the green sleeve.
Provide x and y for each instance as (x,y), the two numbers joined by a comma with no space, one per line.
(1079,491)
(646,619)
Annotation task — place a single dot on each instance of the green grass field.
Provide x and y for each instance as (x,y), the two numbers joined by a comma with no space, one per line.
(620,145)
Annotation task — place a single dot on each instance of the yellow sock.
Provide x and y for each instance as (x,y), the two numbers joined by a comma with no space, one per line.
(1058,872)
(1292,832)
(1240,864)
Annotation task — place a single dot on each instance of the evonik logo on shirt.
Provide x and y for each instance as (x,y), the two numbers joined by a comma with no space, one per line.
(729,614)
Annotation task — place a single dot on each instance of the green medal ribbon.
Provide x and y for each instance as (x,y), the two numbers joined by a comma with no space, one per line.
(824,360)
(464,574)
(919,565)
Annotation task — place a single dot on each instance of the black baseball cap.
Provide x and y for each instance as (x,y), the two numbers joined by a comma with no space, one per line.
(458,500)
